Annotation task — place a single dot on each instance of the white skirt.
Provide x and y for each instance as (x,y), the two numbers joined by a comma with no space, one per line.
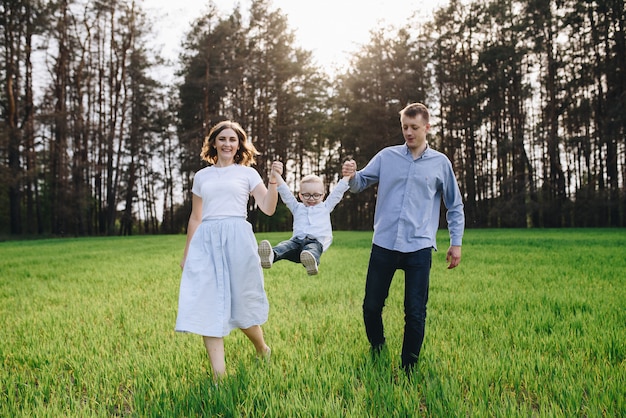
(222,282)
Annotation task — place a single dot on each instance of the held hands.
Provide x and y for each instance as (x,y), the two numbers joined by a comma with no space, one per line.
(277,171)
(349,168)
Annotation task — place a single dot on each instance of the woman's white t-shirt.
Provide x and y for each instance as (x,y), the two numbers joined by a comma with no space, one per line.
(225,191)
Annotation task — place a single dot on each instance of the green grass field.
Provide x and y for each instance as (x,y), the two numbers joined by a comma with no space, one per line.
(533,323)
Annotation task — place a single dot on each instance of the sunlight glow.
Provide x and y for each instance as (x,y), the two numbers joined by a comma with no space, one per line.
(330,29)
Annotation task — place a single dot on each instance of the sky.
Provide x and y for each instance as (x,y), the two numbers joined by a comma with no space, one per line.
(331,29)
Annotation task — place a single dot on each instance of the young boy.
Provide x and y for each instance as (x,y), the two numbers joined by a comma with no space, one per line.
(312,230)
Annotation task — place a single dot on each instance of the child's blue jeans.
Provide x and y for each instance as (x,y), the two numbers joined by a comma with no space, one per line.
(291,249)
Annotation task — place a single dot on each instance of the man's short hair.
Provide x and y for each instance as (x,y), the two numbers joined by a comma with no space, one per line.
(414,109)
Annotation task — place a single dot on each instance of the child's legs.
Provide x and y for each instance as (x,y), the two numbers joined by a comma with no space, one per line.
(314,247)
(215,349)
(288,250)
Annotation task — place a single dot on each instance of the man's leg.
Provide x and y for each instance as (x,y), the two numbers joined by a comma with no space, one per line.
(416,267)
(380,271)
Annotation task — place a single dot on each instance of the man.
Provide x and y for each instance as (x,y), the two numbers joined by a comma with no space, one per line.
(412,180)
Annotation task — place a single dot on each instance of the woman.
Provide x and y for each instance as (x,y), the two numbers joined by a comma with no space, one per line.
(222,281)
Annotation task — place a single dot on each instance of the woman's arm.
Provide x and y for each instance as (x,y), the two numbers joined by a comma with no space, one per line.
(195,219)
(266,198)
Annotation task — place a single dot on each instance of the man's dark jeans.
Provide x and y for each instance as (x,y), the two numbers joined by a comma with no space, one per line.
(382,267)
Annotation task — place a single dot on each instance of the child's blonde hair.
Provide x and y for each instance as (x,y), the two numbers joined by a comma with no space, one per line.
(312,178)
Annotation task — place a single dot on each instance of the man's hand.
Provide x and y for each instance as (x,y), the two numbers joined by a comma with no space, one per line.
(453,256)
(348,169)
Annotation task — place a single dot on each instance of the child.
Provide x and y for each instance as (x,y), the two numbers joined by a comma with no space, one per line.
(312,230)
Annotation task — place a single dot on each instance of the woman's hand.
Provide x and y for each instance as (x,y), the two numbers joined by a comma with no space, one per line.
(277,170)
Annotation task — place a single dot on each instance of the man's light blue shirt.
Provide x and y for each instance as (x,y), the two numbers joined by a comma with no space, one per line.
(410,191)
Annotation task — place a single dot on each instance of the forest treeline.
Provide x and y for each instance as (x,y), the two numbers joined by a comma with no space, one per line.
(528,101)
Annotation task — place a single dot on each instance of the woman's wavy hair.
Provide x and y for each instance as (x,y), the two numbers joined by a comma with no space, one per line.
(246,152)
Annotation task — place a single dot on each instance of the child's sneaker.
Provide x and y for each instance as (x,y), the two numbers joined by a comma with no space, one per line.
(309,262)
(266,253)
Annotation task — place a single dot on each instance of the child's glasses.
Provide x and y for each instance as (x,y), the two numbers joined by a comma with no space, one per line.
(309,196)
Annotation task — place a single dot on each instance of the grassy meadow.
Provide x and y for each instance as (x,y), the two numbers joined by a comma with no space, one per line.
(532,324)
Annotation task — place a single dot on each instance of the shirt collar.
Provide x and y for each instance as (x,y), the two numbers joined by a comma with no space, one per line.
(407,151)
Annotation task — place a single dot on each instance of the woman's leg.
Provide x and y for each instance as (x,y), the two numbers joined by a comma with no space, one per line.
(215,349)
(255,334)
